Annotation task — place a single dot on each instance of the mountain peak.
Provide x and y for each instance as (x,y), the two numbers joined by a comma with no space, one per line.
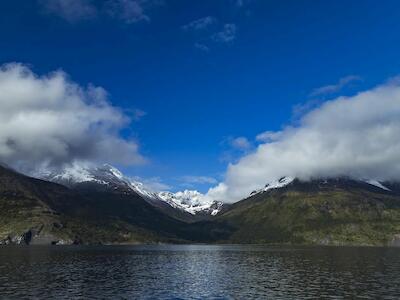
(191,201)
(109,177)
(114,171)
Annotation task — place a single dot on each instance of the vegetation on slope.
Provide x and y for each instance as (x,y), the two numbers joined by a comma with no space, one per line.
(320,212)
(54,213)
(335,212)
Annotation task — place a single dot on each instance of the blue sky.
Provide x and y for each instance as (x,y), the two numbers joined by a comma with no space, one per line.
(206,72)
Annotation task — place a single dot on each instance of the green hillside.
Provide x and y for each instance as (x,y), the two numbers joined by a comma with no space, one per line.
(329,212)
(334,212)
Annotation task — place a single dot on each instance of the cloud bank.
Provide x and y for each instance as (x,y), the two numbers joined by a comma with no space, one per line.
(356,136)
(50,121)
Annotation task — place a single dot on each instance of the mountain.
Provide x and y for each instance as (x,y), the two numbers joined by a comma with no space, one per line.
(103,178)
(38,211)
(30,206)
(188,206)
(332,211)
(104,207)
(192,202)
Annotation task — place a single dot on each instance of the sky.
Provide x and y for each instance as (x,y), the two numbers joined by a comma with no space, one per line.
(192,94)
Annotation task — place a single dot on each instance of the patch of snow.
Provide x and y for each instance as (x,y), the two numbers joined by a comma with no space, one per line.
(377,184)
(141,189)
(284,181)
(117,173)
(215,212)
(71,174)
(192,202)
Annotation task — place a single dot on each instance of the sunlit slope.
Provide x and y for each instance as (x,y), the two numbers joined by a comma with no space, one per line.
(335,211)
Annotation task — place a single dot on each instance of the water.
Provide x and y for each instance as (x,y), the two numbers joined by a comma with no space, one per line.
(199,272)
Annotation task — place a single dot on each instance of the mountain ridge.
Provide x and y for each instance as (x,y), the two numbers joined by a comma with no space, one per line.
(332,211)
(329,211)
(108,177)
(38,211)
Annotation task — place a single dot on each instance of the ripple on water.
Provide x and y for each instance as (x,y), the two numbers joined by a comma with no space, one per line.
(199,272)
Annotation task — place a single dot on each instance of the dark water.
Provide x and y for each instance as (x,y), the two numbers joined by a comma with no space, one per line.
(199,272)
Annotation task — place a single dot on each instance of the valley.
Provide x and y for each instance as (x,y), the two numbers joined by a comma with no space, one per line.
(102,206)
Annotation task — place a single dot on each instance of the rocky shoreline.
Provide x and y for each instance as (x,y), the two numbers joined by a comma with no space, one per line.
(37,236)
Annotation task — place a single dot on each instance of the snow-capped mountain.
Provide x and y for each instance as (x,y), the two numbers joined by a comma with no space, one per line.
(104,176)
(111,178)
(287,180)
(284,181)
(191,201)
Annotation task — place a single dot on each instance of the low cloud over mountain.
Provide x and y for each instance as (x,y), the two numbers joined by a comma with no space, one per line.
(50,121)
(356,136)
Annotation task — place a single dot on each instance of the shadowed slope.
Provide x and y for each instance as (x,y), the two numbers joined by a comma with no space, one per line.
(43,209)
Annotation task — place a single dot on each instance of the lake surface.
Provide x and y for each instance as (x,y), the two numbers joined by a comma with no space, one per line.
(199,272)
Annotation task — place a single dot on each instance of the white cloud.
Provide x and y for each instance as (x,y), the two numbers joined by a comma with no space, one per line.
(202,47)
(226,35)
(70,10)
(334,88)
(129,11)
(223,33)
(234,148)
(268,136)
(356,136)
(50,121)
(198,180)
(240,143)
(154,184)
(200,24)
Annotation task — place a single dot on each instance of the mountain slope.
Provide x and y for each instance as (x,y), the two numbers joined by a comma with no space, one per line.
(328,211)
(31,205)
(33,210)
(188,206)
(331,211)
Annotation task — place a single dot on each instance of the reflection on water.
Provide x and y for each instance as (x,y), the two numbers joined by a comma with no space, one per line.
(199,272)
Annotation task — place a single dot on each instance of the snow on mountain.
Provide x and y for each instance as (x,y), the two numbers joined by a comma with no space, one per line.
(189,201)
(103,175)
(284,181)
(377,184)
(192,202)
(70,175)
